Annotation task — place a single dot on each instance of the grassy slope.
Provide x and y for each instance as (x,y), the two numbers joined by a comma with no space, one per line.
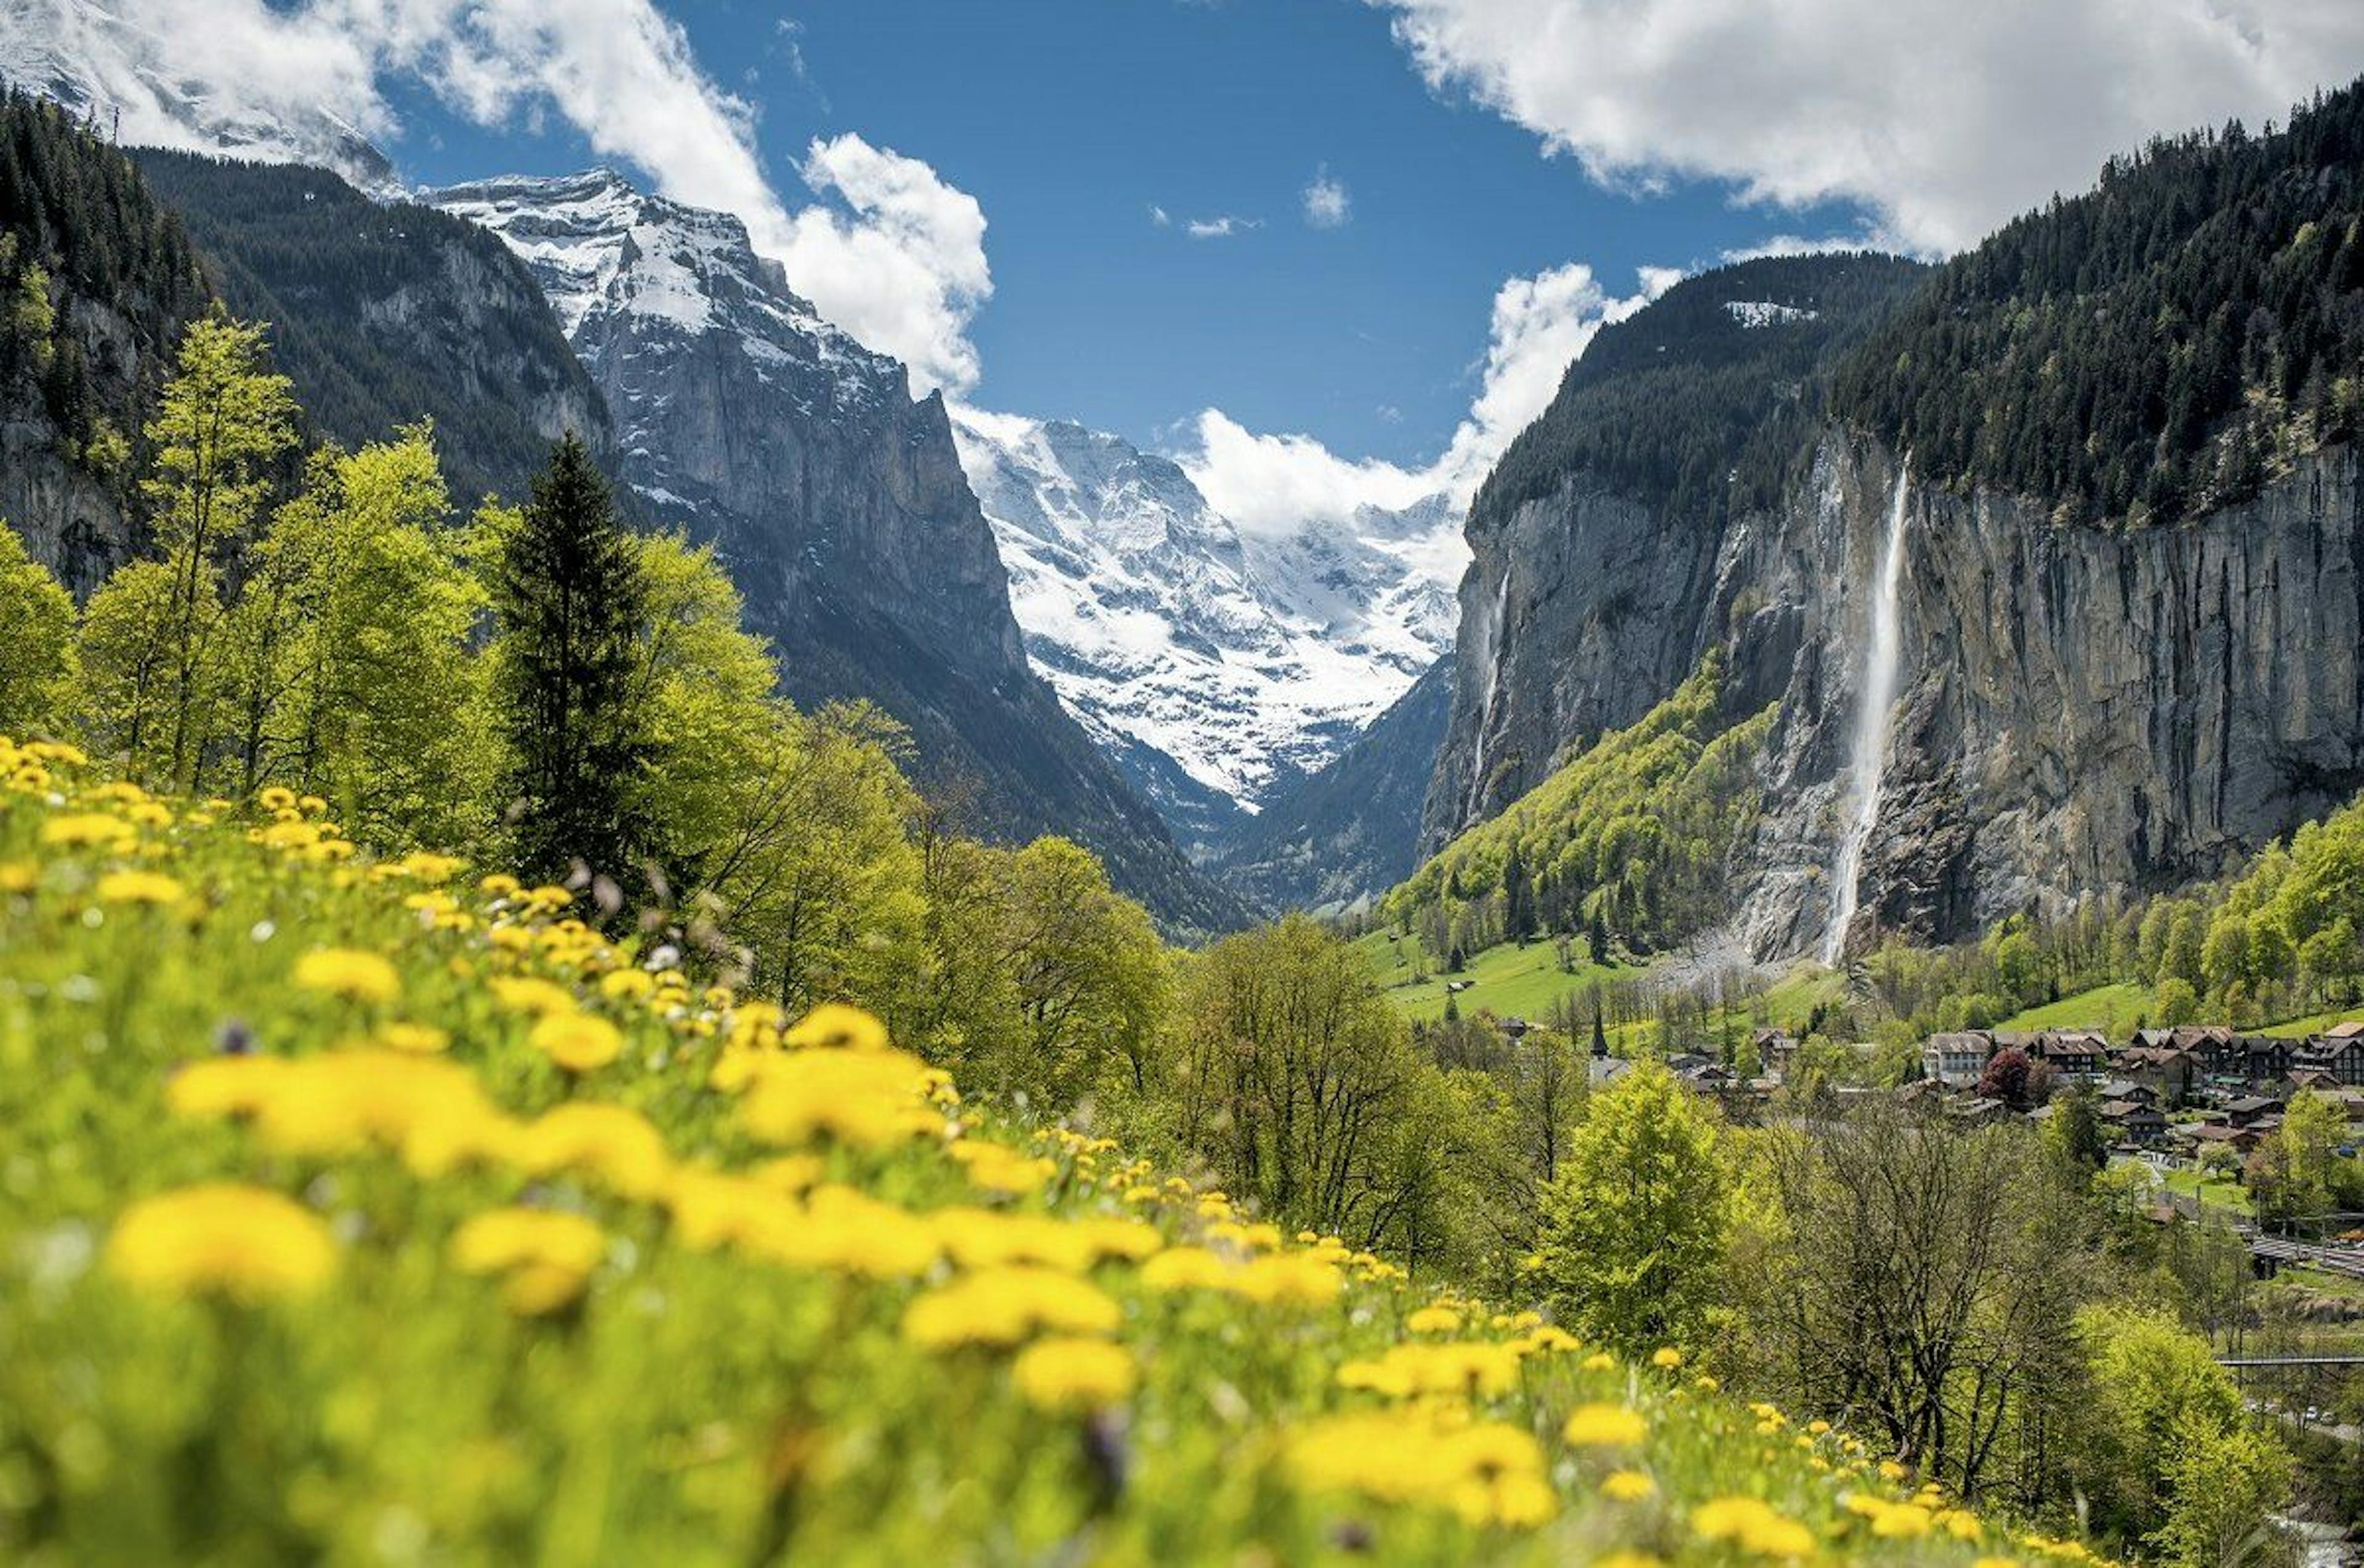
(2115,1009)
(1510,981)
(732,1370)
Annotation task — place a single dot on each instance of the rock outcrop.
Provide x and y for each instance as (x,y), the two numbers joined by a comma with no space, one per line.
(2082,709)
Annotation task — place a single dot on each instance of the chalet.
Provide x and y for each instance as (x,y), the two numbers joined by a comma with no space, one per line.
(2313,1080)
(2337,1051)
(2077,1055)
(2131,1090)
(1957,1060)
(2217,1134)
(2134,1122)
(2173,1074)
(2203,1040)
(1513,1029)
(2266,1058)
(1777,1049)
(2249,1110)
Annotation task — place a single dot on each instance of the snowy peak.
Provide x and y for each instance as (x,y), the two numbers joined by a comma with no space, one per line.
(128,80)
(1215,664)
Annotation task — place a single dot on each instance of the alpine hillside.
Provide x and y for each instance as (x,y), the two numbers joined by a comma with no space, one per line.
(2047,566)
(836,499)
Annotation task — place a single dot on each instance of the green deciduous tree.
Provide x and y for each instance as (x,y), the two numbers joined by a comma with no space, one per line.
(1634,1228)
(224,422)
(37,643)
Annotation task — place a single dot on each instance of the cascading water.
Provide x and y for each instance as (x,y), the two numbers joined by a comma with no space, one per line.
(1867,757)
(1493,643)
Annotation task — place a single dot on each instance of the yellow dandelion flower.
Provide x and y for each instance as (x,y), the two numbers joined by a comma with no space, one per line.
(578,1041)
(222,1239)
(1626,1486)
(837,1025)
(613,1143)
(1667,1357)
(348,973)
(149,887)
(88,830)
(1599,1361)
(1069,1374)
(547,1258)
(18,876)
(275,798)
(1433,1320)
(1187,1268)
(415,1040)
(1604,1426)
(1007,1306)
(866,1097)
(1753,1526)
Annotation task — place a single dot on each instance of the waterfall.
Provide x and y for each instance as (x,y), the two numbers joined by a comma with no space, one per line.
(1867,755)
(1493,645)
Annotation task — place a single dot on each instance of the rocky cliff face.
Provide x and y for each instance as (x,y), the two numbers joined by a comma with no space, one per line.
(2079,710)
(836,501)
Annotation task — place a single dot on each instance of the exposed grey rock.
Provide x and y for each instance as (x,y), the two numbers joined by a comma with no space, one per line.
(2082,710)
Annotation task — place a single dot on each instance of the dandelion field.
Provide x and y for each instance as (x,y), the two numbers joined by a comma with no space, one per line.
(383,1211)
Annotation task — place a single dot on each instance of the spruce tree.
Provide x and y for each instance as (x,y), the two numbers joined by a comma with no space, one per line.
(566,584)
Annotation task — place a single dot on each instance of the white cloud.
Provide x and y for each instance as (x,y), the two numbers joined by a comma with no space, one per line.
(1275,483)
(892,253)
(1327,204)
(1159,216)
(1943,118)
(1222,227)
(903,267)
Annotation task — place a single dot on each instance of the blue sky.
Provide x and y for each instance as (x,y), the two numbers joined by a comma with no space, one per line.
(1069,120)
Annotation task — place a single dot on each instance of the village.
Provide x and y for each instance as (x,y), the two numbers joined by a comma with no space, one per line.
(2166,1095)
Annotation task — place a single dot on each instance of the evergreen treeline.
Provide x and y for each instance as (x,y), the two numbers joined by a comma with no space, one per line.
(96,279)
(376,316)
(1629,842)
(2149,351)
(1703,412)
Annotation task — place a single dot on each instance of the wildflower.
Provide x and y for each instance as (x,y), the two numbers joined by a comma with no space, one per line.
(239,1242)
(1297,1279)
(348,973)
(1604,1426)
(1667,1357)
(18,876)
(627,984)
(1433,1320)
(1599,1361)
(1753,1526)
(1068,1373)
(149,887)
(613,1143)
(1186,1268)
(1460,1371)
(546,1257)
(1005,1307)
(275,798)
(499,885)
(1892,1521)
(1892,1471)
(417,1040)
(1705,1384)
(578,1041)
(835,1024)
(88,830)
(531,995)
(997,1168)
(866,1097)
(850,1232)
(1626,1486)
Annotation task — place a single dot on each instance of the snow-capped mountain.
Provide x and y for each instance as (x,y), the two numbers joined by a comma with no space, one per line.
(134,84)
(836,501)
(1214,663)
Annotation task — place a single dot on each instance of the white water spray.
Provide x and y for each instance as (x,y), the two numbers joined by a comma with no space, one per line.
(1867,758)
(1486,700)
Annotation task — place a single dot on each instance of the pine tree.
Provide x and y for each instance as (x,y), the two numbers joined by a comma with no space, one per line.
(567,587)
